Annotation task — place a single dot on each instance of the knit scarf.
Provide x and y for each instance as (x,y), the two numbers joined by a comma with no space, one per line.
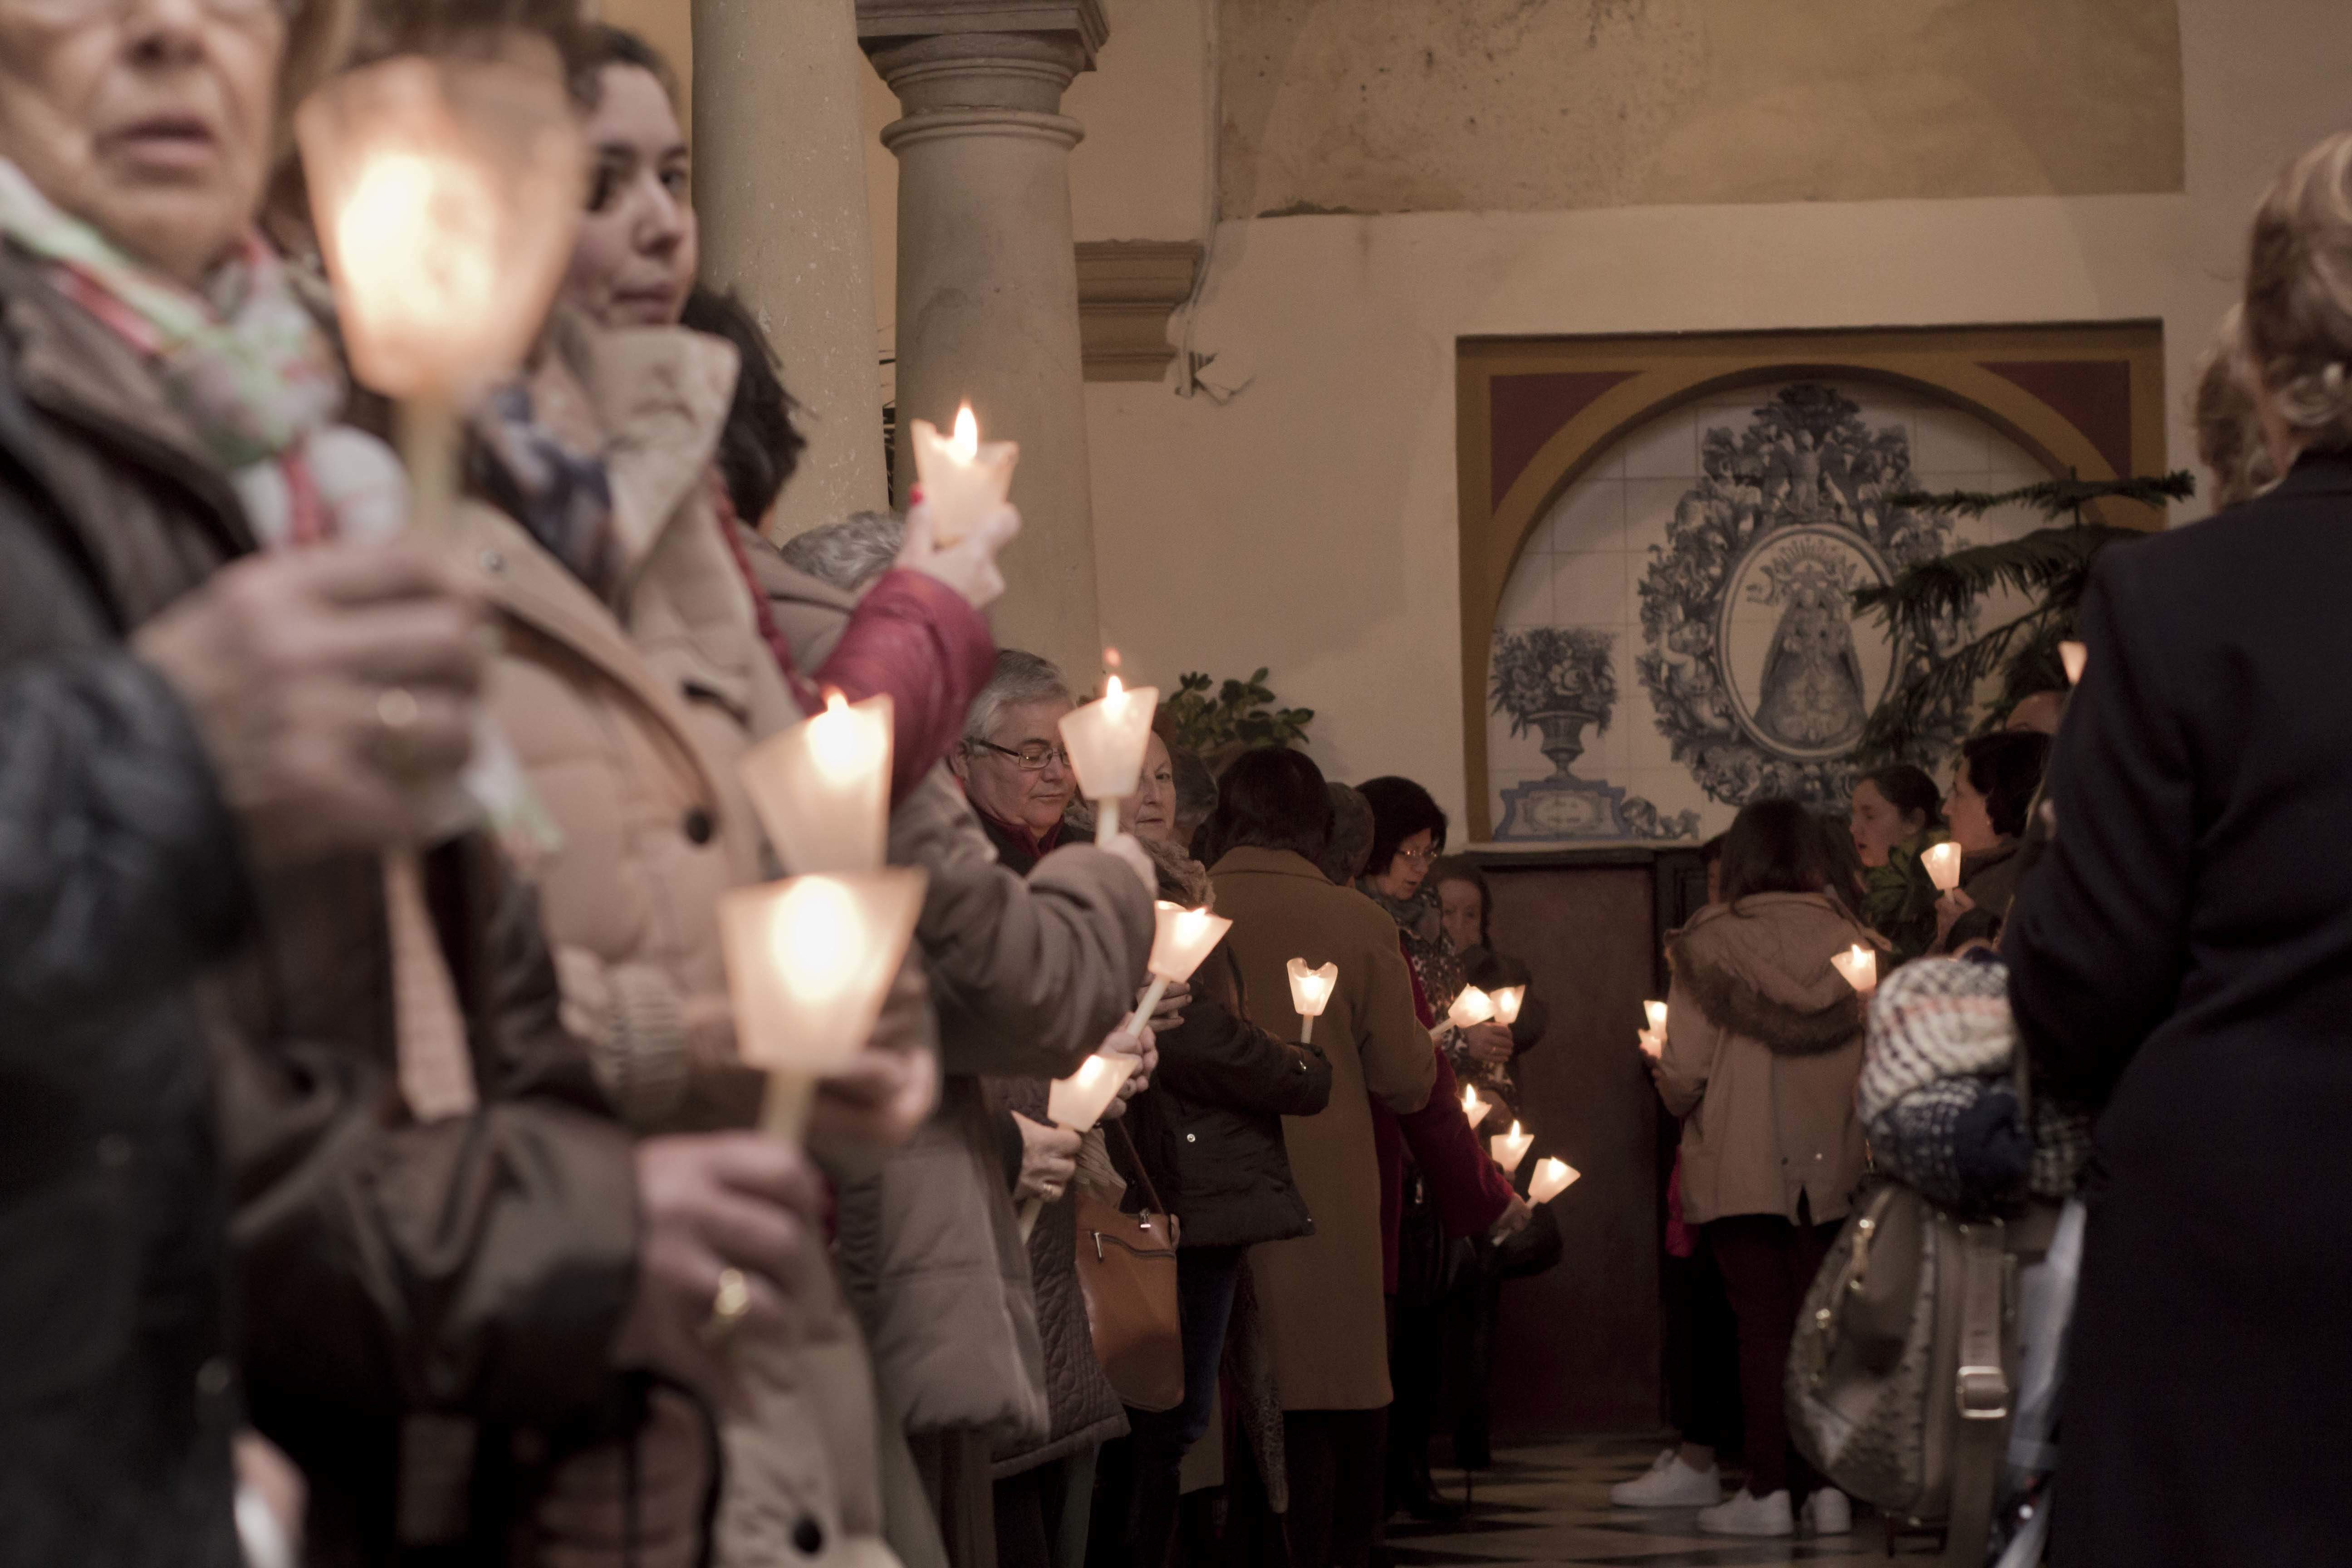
(240,361)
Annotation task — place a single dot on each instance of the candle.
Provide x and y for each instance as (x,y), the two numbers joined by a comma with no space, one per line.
(1107,740)
(1181,938)
(1510,1148)
(1473,1110)
(1473,1006)
(1077,1102)
(963,478)
(1310,993)
(1656,1012)
(1653,1044)
(1943,863)
(808,964)
(2074,656)
(1859,964)
(1508,1003)
(822,788)
(1552,1178)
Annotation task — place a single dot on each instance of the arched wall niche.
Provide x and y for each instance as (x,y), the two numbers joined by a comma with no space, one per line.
(1536,414)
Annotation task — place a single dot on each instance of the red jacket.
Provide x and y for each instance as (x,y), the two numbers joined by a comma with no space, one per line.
(911,635)
(1469,1188)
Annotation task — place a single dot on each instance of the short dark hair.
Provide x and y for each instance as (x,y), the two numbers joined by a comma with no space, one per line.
(1272,798)
(2005,767)
(1351,834)
(1775,845)
(1400,808)
(1462,868)
(601,45)
(758,449)
(1908,789)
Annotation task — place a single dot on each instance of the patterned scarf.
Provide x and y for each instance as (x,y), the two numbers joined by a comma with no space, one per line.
(241,361)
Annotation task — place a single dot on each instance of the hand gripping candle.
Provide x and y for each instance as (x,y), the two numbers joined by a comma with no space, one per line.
(1077,1102)
(1310,993)
(1181,938)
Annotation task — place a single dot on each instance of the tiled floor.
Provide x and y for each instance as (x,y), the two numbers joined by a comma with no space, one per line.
(1550,1504)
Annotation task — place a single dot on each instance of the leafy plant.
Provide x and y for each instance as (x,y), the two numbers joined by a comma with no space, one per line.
(1240,714)
(1929,605)
(1553,669)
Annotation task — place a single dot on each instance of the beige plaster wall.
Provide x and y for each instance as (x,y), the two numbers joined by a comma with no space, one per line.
(1529,105)
(1309,523)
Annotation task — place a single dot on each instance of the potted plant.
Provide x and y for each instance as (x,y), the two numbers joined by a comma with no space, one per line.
(1557,679)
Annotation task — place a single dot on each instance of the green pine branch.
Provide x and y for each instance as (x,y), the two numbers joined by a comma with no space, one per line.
(2052,498)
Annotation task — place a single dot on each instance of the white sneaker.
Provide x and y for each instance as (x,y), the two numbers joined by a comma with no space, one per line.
(1670,1484)
(1827,1512)
(1747,1515)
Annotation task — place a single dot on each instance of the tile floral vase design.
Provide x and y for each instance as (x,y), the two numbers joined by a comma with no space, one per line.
(1557,680)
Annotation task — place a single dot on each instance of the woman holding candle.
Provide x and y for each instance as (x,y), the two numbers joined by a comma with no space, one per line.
(1323,1294)
(1896,816)
(2182,963)
(1763,1050)
(1993,788)
(1209,1133)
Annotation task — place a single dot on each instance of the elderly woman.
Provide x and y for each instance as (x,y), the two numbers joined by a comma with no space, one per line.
(1323,1293)
(241,730)
(2181,962)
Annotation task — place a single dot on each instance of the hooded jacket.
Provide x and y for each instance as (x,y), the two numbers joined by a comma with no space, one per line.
(1763,1049)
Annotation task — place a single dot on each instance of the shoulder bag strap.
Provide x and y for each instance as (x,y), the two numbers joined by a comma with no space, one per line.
(1142,1173)
(1980,1394)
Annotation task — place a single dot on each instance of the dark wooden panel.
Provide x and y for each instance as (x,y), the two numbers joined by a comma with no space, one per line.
(1580,1346)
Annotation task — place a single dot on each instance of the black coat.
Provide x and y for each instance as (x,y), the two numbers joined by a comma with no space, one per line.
(2182,960)
(1210,1127)
(120,879)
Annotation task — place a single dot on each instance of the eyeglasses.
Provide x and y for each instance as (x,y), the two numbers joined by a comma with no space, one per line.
(77,13)
(1031,758)
(1422,858)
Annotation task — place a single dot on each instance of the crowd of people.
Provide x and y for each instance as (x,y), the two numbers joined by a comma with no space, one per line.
(382,1181)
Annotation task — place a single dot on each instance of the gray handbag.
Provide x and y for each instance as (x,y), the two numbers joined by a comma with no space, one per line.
(1899,1376)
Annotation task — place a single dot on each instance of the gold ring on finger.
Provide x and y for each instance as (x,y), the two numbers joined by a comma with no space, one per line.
(728,1305)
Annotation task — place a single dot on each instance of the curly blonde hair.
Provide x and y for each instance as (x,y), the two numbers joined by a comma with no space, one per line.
(2229,427)
(2298,304)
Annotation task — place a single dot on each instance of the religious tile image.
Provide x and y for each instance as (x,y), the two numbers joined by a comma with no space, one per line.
(1680,637)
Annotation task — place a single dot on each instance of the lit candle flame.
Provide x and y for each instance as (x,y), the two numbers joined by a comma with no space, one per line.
(2074,655)
(844,747)
(1943,863)
(1114,692)
(817,935)
(1657,1012)
(1859,964)
(964,445)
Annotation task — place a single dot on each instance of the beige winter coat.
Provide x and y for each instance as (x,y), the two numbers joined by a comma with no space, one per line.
(1322,1294)
(630,726)
(1763,1049)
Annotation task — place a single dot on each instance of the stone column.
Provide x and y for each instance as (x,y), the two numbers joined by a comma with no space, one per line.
(988,286)
(779,184)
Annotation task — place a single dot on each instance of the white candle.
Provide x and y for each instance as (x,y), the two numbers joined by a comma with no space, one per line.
(1943,863)
(1510,1148)
(1508,1003)
(1078,1101)
(2074,656)
(1310,993)
(1107,740)
(1859,964)
(809,961)
(1552,1178)
(963,478)
(1473,1110)
(1656,1013)
(1181,938)
(822,788)
(1653,1044)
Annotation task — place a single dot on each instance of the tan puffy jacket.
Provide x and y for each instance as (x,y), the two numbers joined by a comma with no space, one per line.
(630,726)
(1763,1050)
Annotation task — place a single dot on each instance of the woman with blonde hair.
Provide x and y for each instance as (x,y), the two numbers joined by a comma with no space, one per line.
(2182,963)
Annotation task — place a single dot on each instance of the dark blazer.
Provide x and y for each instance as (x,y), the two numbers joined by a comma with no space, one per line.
(2182,960)
(1210,1127)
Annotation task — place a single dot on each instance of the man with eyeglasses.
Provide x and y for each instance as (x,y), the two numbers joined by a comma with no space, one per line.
(1011,762)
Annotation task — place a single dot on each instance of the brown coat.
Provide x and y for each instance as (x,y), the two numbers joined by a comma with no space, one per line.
(1763,1050)
(476,1266)
(1322,1293)
(630,726)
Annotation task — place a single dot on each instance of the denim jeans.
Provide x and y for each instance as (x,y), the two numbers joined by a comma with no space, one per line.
(1206,1278)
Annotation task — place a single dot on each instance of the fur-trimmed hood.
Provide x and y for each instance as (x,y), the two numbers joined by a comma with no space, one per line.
(1762,968)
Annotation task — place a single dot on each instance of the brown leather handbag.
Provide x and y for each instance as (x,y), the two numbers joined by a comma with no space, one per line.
(1127,1268)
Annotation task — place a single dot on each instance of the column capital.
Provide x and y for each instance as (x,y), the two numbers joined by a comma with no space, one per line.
(882,23)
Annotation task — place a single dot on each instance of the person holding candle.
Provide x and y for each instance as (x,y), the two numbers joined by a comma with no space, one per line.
(918,635)
(1762,1053)
(1323,1294)
(1896,816)
(1993,788)
(1208,1131)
